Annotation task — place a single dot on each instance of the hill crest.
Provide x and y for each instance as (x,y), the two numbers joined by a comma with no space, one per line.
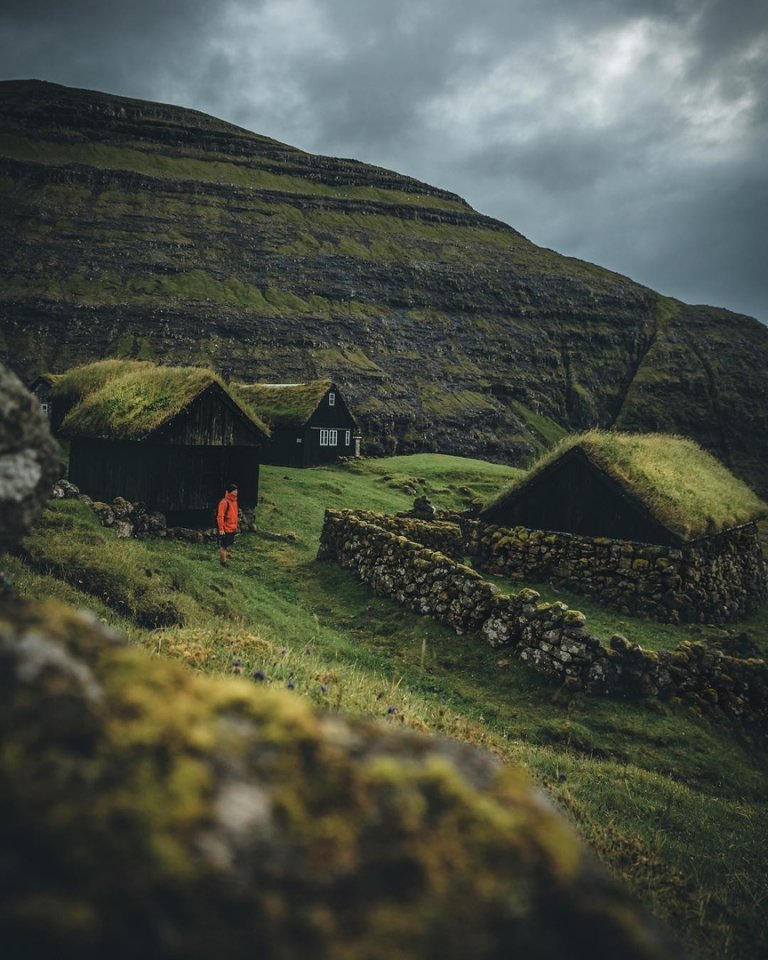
(141,230)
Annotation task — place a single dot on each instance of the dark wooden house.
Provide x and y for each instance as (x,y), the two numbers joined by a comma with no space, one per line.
(171,438)
(43,387)
(649,488)
(310,423)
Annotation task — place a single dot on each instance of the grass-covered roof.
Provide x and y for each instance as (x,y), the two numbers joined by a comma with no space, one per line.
(80,381)
(685,488)
(128,400)
(283,405)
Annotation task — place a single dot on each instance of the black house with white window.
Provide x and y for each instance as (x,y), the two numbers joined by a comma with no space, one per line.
(310,423)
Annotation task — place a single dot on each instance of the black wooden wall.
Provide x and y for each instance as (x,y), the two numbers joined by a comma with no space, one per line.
(164,477)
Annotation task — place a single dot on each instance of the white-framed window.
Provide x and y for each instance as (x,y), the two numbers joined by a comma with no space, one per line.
(329,438)
(44,408)
(347,437)
(331,399)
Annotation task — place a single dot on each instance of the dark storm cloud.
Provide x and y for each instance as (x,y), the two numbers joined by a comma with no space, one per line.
(628,132)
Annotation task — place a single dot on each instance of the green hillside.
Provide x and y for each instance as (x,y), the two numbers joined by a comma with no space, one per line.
(131,229)
(673,804)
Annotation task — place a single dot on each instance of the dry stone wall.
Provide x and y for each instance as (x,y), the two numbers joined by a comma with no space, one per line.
(549,637)
(423,580)
(715,580)
(447,536)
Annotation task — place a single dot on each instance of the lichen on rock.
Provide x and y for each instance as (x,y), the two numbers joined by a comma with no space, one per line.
(147,809)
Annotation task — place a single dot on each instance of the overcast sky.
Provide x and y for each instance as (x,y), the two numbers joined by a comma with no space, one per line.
(632,133)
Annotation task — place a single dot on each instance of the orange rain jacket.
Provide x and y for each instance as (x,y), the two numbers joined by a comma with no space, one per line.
(226,517)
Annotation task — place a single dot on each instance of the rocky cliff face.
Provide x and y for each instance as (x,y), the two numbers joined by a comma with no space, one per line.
(139,229)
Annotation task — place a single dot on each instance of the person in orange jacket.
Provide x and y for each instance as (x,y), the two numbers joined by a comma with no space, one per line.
(226,521)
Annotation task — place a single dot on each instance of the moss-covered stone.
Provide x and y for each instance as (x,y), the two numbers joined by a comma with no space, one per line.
(149,810)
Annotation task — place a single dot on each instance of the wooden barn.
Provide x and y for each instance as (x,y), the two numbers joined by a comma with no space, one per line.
(310,423)
(649,488)
(169,437)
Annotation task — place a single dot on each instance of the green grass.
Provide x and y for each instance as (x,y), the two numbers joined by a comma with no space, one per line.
(548,432)
(673,804)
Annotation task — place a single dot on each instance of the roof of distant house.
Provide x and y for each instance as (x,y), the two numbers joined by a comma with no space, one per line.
(685,488)
(283,405)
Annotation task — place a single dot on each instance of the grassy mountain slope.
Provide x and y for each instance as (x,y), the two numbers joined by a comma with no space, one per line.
(136,229)
(674,805)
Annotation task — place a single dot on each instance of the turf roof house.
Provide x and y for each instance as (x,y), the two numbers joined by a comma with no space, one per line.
(169,437)
(310,423)
(646,519)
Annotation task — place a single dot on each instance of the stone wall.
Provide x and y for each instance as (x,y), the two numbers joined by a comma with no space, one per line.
(714,580)
(426,581)
(445,534)
(717,579)
(548,637)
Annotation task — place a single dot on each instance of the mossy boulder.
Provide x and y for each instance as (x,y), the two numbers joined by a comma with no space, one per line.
(30,460)
(149,811)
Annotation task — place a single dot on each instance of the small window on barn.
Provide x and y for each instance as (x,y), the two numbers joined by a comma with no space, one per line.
(331,399)
(324,438)
(347,437)
(333,438)
(44,408)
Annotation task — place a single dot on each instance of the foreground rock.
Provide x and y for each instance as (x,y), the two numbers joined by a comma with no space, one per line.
(149,810)
(29,459)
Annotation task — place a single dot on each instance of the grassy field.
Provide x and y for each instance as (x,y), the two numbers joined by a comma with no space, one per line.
(674,805)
